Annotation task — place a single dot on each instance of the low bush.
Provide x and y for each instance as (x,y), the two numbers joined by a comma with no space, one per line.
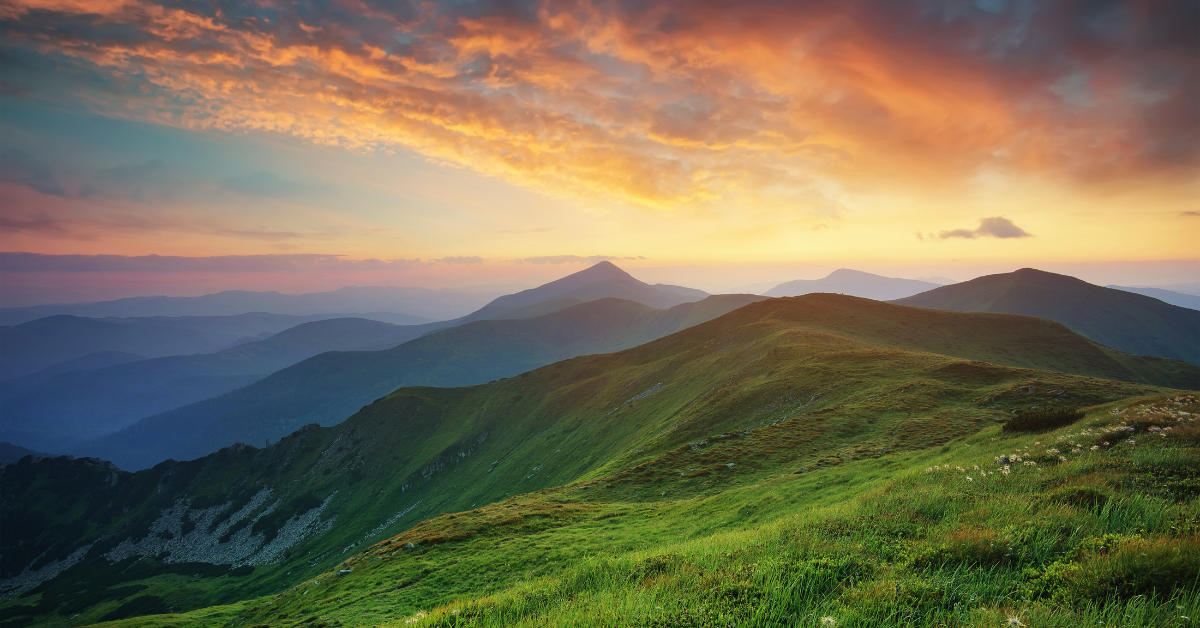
(1042,419)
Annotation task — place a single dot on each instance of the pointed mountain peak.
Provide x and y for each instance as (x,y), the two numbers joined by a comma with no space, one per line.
(601,271)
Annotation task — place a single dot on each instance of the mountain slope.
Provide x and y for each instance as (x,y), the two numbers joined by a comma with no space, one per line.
(1128,322)
(36,345)
(419,305)
(330,387)
(105,400)
(1190,301)
(854,283)
(599,281)
(683,431)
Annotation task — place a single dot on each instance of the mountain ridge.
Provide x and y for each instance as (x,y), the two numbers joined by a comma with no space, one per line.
(778,390)
(1125,321)
(854,283)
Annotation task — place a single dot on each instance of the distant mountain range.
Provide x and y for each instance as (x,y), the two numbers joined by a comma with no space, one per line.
(854,283)
(104,400)
(420,304)
(113,385)
(63,342)
(602,280)
(1130,322)
(330,387)
(1182,299)
(773,393)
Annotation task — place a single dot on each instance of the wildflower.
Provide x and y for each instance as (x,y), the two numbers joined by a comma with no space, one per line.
(1107,444)
(1075,451)
(976,467)
(1131,441)
(1062,458)
(969,479)
(828,622)
(1006,470)
(1095,447)
(1013,621)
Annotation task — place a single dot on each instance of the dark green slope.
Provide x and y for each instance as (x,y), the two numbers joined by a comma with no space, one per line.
(329,387)
(102,401)
(1129,322)
(774,387)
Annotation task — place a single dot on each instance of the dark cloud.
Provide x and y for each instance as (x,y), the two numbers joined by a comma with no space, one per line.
(575,259)
(33,262)
(1189,213)
(664,102)
(18,166)
(994,227)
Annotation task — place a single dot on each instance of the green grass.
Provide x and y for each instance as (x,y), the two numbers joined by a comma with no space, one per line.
(873,542)
(773,432)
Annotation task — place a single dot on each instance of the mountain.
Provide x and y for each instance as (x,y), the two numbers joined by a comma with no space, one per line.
(43,343)
(10,453)
(599,281)
(1122,320)
(107,398)
(854,283)
(697,479)
(1182,299)
(329,387)
(104,400)
(420,305)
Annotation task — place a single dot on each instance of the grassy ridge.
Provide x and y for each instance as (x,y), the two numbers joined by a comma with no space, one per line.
(1122,320)
(688,431)
(1067,535)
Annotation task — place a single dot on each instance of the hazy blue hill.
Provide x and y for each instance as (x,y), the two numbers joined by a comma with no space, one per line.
(330,387)
(1122,320)
(418,305)
(10,453)
(854,283)
(101,401)
(36,345)
(1182,299)
(89,362)
(599,281)
(685,429)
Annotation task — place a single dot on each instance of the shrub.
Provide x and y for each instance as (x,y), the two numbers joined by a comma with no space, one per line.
(144,605)
(1042,419)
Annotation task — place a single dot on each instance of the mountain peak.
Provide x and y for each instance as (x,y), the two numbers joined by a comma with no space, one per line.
(601,271)
(848,273)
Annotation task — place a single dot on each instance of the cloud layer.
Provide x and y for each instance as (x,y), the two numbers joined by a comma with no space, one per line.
(660,104)
(994,227)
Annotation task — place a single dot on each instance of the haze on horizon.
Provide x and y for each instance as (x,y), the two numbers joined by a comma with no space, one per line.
(307,146)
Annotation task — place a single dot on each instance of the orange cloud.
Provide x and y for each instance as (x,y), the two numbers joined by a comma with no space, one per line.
(667,105)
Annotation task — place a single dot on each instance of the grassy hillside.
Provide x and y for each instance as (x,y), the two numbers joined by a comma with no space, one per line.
(104,400)
(330,387)
(717,449)
(1128,322)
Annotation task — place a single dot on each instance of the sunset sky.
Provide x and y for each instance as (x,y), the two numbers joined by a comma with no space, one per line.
(702,142)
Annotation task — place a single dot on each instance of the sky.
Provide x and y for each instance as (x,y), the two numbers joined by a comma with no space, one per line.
(151,147)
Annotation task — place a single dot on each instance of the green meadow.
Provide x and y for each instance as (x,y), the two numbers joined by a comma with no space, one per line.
(822,461)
